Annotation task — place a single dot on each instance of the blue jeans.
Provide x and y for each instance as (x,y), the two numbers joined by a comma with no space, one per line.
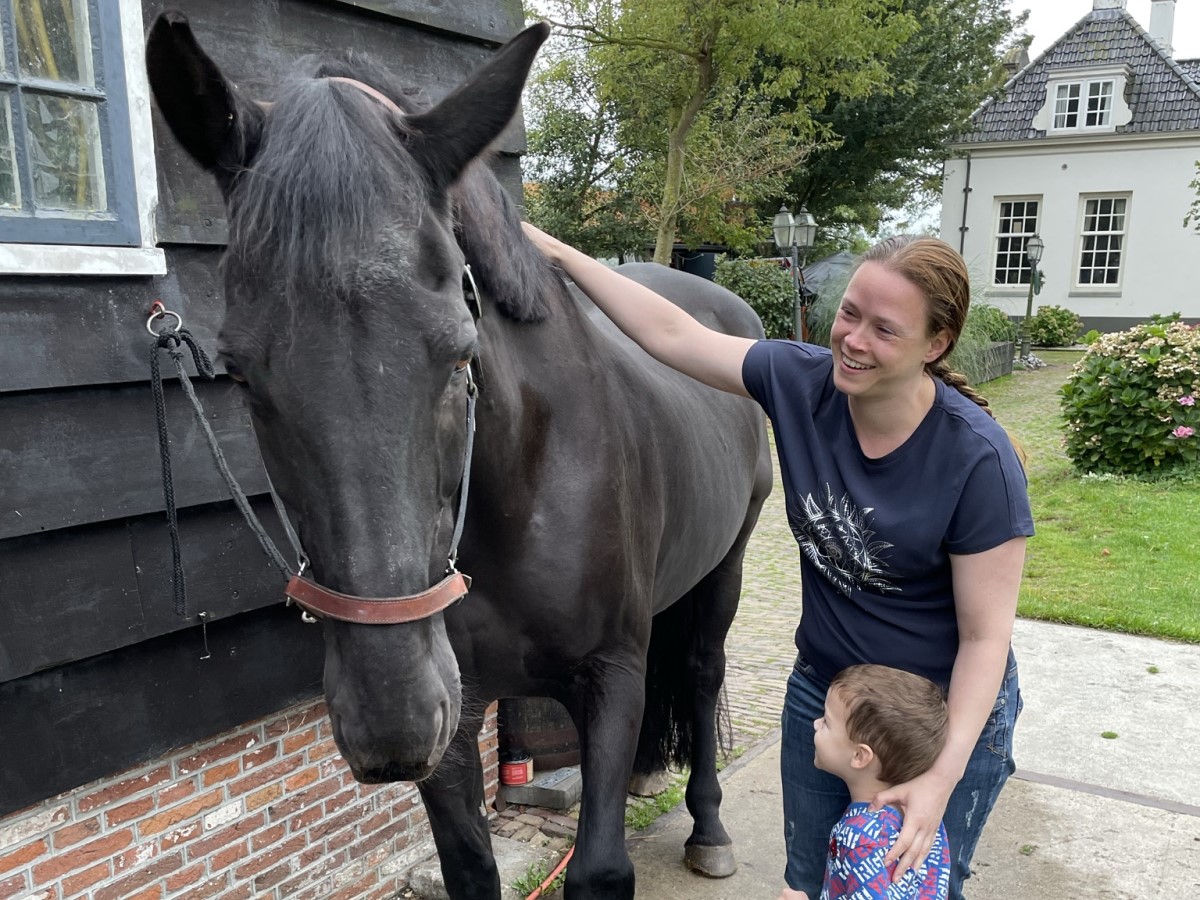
(813,801)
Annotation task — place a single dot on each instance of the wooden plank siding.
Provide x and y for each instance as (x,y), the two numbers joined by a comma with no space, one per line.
(77,592)
(91,454)
(96,671)
(81,721)
(255,51)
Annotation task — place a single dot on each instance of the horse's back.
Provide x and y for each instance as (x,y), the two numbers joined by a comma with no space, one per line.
(708,302)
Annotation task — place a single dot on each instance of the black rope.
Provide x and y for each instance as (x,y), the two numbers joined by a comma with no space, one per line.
(172,339)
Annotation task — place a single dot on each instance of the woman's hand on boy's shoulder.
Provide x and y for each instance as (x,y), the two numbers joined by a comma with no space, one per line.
(923,802)
(789,894)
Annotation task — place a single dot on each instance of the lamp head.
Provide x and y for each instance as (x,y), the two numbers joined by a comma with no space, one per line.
(783,228)
(1033,249)
(806,229)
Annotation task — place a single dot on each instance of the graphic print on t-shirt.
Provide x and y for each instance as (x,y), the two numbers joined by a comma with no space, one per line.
(837,540)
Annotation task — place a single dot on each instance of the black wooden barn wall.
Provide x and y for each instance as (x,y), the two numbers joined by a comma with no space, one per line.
(96,672)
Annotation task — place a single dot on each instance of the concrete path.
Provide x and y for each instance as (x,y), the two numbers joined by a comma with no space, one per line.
(1088,816)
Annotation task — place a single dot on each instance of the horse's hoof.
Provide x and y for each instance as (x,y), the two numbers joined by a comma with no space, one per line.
(711,862)
(649,785)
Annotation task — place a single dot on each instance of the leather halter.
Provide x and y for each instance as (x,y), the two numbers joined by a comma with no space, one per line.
(329,604)
(371,92)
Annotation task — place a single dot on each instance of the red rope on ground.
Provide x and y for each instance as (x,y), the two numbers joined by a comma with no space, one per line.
(550,878)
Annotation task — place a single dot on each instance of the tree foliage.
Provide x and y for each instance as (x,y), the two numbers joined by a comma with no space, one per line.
(889,144)
(576,175)
(1193,216)
(711,98)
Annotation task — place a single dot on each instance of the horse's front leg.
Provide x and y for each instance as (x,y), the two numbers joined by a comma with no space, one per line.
(453,797)
(607,714)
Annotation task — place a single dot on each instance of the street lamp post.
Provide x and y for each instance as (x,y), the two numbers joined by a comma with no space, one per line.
(1033,252)
(795,234)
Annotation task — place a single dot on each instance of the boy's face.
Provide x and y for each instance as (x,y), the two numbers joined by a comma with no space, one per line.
(835,751)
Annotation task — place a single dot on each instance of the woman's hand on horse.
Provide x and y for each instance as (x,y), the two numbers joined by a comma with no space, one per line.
(550,247)
(923,801)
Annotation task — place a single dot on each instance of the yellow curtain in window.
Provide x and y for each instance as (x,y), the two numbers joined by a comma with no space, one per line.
(35,15)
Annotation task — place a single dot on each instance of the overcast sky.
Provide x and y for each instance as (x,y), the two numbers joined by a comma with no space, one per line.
(1050,19)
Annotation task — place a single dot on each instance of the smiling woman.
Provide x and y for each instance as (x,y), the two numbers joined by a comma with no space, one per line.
(910,511)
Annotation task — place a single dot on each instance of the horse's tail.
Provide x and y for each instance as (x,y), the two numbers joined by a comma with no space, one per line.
(669,718)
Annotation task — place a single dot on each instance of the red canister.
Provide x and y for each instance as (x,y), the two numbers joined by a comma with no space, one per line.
(517,770)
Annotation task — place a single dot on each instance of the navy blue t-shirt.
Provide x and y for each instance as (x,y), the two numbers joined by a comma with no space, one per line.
(876,534)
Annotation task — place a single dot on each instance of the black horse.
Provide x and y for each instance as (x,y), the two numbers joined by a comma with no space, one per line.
(610,498)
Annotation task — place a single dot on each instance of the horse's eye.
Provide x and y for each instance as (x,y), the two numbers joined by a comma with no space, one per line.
(234,372)
(461,365)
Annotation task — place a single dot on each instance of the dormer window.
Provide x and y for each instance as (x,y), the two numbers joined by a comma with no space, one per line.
(1085,101)
(1096,114)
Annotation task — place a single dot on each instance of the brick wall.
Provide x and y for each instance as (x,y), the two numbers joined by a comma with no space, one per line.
(267,811)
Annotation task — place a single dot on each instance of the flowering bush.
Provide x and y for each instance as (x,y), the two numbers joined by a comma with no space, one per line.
(1131,403)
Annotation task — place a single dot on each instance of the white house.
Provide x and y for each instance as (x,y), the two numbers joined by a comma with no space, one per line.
(1092,146)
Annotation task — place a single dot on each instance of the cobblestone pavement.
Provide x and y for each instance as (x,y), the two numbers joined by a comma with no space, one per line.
(760,651)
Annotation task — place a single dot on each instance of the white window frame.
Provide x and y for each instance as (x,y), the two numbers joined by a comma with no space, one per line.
(1086,93)
(1083,233)
(1002,241)
(84,259)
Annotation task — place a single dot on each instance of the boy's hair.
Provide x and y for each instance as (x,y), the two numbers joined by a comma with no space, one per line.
(901,716)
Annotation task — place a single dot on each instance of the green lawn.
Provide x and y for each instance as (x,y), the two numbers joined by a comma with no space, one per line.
(1116,554)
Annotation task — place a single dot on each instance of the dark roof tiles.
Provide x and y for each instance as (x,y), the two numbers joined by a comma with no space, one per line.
(1163,95)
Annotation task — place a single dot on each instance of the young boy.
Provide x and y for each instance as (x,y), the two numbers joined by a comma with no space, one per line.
(881,727)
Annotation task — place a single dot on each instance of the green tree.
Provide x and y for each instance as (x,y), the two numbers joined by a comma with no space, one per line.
(576,184)
(692,74)
(1193,216)
(889,145)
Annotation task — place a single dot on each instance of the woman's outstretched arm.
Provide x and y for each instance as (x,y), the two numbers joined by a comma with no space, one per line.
(660,327)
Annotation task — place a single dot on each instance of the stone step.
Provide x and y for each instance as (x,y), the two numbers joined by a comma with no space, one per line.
(556,789)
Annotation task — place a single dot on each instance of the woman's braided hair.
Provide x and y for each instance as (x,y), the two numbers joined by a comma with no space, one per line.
(941,275)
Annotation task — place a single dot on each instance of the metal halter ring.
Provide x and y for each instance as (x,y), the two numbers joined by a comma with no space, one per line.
(158,311)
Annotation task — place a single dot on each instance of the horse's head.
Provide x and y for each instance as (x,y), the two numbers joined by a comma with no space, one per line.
(347,326)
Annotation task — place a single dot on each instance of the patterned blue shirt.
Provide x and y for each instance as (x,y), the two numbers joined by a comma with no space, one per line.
(857,846)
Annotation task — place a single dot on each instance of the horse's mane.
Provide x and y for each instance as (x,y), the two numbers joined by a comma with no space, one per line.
(330,174)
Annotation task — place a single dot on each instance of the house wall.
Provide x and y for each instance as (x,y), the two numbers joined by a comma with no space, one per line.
(1158,273)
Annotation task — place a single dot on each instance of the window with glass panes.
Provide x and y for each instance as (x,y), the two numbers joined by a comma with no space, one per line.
(1018,222)
(1103,238)
(66,167)
(1068,100)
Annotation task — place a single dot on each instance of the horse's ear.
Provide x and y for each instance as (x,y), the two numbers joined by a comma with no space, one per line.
(449,136)
(218,127)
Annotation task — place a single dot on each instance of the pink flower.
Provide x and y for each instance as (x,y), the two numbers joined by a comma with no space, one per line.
(1183,431)
(1187,400)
